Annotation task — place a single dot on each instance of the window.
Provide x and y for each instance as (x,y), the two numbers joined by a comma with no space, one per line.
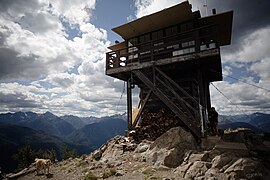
(186,26)
(171,31)
(132,42)
(189,43)
(144,38)
(184,51)
(132,48)
(157,35)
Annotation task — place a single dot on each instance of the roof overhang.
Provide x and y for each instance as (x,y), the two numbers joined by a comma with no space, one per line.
(223,21)
(165,18)
(118,46)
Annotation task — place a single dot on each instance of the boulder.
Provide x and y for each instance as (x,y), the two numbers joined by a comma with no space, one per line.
(169,149)
(245,168)
(97,154)
(142,148)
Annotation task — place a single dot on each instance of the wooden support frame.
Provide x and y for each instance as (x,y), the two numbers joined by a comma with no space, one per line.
(183,117)
(142,103)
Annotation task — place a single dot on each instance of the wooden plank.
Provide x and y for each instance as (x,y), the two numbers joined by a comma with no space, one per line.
(136,119)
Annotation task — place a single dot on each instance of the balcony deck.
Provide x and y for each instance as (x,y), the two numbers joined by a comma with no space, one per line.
(185,46)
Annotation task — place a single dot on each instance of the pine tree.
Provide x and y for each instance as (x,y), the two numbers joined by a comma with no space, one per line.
(67,153)
(24,156)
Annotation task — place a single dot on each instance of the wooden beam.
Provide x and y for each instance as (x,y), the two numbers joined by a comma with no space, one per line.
(144,101)
(129,104)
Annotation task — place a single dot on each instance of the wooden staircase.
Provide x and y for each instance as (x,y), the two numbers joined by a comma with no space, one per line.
(171,94)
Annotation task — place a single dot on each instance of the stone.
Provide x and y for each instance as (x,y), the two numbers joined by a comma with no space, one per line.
(214,174)
(245,168)
(222,160)
(97,154)
(142,148)
(197,169)
(169,149)
(197,157)
(182,170)
(119,173)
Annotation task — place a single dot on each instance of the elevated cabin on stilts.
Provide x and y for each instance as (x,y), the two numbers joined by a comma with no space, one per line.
(172,56)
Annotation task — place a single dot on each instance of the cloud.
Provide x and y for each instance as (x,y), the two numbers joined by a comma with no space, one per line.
(43,69)
(55,73)
(239,98)
(146,7)
(252,47)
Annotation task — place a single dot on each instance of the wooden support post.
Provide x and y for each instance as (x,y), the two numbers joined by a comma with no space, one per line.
(203,98)
(129,104)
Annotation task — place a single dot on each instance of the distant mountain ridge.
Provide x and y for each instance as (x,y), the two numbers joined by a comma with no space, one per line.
(47,131)
(47,122)
(258,122)
(97,134)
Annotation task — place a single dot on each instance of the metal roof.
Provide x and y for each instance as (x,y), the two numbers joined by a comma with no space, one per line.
(175,15)
(167,17)
(223,21)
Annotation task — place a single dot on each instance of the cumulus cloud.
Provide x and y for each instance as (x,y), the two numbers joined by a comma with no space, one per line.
(43,69)
(65,76)
(252,47)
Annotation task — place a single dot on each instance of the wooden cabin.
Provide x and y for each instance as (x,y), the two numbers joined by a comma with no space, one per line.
(172,56)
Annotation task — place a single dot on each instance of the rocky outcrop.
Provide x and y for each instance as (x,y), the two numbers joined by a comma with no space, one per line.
(219,165)
(169,148)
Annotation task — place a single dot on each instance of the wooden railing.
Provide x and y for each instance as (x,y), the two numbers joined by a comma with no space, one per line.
(193,41)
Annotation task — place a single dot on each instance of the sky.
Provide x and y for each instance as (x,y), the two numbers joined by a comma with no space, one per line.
(52,55)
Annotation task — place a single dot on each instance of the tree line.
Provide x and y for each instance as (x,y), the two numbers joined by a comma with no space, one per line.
(26,155)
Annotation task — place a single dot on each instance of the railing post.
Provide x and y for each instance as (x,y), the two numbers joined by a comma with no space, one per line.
(117,59)
(107,61)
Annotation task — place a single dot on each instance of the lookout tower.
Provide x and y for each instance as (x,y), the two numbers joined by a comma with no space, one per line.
(172,56)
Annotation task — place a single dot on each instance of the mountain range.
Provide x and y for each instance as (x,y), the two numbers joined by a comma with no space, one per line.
(84,134)
(257,122)
(48,131)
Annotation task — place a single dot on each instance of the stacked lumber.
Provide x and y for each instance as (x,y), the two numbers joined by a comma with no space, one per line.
(153,125)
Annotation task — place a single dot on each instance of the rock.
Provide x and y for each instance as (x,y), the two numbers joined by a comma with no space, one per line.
(97,154)
(142,148)
(119,173)
(198,169)
(182,170)
(214,174)
(129,147)
(169,149)
(198,157)
(222,160)
(245,168)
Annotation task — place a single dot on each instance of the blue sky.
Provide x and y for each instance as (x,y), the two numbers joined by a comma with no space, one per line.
(52,55)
